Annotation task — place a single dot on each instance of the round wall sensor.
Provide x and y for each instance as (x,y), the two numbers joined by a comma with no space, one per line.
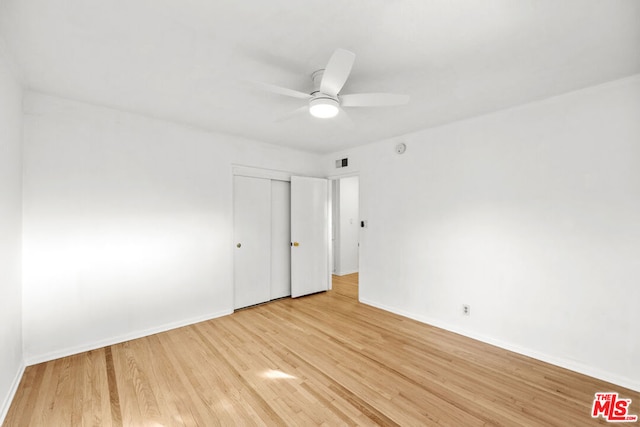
(401,148)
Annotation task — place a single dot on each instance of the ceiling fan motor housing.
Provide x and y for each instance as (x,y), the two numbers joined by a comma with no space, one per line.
(323,106)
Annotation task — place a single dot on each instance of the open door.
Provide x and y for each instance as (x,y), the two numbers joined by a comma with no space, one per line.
(309,235)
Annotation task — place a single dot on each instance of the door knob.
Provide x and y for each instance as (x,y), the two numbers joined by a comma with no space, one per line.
(296,244)
(239,245)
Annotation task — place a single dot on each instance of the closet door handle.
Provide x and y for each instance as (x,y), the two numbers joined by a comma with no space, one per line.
(239,245)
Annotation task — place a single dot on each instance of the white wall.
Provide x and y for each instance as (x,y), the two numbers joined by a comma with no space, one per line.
(11,358)
(530,215)
(127,223)
(349,226)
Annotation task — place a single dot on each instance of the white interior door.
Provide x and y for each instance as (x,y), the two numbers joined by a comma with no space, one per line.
(252,237)
(310,235)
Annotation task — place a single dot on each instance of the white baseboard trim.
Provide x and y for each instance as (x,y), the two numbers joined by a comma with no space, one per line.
(569,364)
(4,409)
(39,358)
(344,273)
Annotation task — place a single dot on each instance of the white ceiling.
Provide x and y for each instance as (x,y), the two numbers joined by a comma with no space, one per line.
(188,60)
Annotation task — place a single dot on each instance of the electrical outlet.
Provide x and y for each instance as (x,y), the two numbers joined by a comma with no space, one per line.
(466,309)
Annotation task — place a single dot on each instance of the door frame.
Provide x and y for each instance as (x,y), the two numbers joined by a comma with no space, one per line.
(253,172)
(332,201)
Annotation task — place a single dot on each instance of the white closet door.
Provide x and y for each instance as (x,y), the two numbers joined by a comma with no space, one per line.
(280,239)
(252,237)
(310,235)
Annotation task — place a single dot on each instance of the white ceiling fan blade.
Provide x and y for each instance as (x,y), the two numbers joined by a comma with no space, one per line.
(292,114)
(337,71)
(373,99)
(281,90)
(344,120)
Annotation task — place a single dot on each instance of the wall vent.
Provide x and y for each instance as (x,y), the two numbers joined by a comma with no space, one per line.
(342,163)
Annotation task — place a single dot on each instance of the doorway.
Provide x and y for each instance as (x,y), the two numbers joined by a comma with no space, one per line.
(346,225)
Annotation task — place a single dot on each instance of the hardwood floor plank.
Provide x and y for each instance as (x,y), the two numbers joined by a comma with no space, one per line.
(97,408)
(324,359)
(46,395)
(112,385)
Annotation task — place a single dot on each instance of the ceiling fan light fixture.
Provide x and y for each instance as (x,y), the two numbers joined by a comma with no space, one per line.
(323,108)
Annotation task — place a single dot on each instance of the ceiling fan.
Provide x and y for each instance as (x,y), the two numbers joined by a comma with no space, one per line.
(325,101)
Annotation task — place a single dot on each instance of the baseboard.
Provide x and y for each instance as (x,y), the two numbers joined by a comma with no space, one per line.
(344,273)
(553,360)
(46,357)
(4,409)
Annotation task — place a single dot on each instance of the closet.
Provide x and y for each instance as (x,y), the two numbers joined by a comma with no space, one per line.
(262,238)
(281,236)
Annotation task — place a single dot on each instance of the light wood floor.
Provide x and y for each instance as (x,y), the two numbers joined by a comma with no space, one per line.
(324,359)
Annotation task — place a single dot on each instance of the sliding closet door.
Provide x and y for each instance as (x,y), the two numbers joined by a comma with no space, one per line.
(252,237)
(280,239)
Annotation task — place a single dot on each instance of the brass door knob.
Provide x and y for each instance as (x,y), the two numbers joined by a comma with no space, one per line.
(296,244)
(239,245)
